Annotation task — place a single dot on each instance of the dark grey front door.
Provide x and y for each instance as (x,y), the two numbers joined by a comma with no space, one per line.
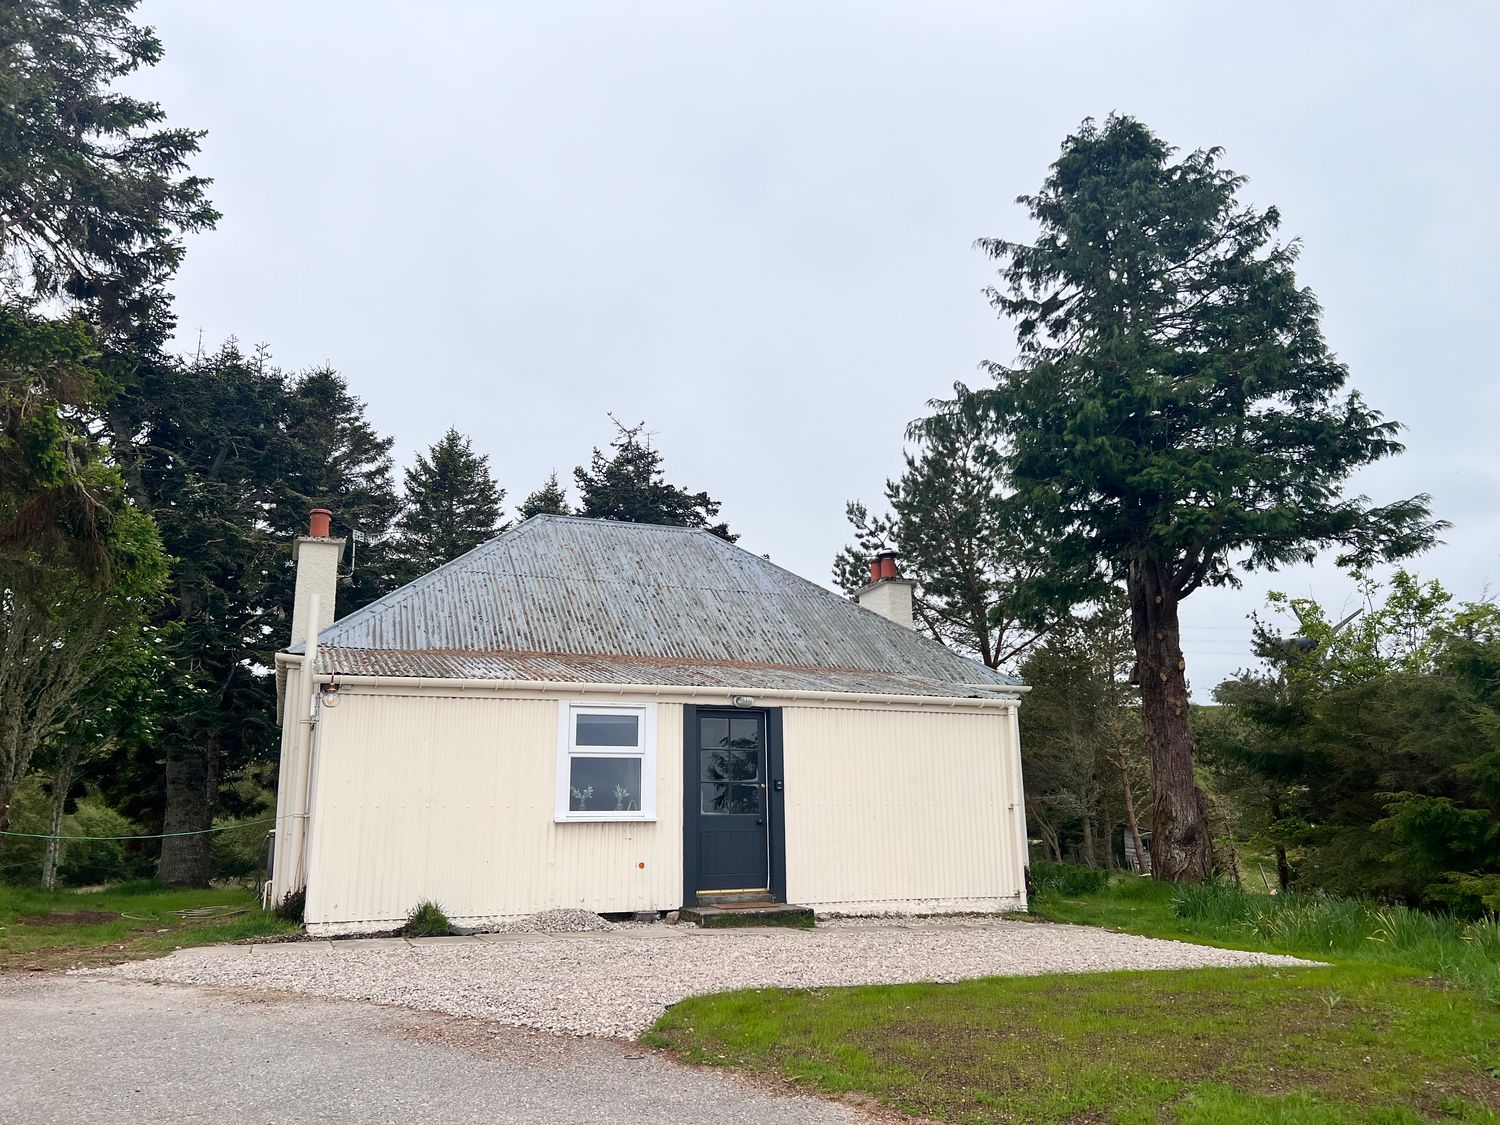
(731,782)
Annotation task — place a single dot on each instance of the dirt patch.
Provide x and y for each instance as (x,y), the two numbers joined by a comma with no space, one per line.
(68,918)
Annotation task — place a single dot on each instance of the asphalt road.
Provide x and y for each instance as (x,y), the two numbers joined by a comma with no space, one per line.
(79,1050)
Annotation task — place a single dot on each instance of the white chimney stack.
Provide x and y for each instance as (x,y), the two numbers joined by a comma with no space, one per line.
(317,557)
(888,594)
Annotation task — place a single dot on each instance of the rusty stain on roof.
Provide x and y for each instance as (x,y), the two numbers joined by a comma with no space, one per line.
(569,599)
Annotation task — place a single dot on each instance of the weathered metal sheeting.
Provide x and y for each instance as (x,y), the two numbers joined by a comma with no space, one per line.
(446,664)
(432,797)
(902,811)
(888,810)
(565,586)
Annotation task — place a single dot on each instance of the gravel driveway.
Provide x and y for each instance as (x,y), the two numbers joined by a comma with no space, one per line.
(616,984)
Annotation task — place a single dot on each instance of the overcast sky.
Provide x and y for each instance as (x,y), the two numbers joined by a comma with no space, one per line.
(750,225)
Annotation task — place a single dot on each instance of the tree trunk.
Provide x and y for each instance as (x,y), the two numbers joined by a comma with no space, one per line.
(1049,840)
(1283,868)
(1234,864)
(1141,857)
(62,781)
(12,768)
(192,774)
(54,845)
(4,820)
(1088,840)
(1181,850)
(63,774)
(1107,828)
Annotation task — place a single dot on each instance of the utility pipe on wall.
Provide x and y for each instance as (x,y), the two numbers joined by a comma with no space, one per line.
(305,733)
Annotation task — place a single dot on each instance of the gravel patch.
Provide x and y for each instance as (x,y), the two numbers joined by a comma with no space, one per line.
(556,922)
(617,984)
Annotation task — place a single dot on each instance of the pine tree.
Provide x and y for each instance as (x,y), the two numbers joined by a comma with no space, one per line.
(630,486)
(204,449)
(549,500)
(1175,416)
(337,461)
(952,525)
(96,197)
(228,454)
(452,505)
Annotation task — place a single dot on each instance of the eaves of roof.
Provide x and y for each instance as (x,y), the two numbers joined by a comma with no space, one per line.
(543,667)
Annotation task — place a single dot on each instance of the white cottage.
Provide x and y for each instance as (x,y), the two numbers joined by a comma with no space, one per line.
(631,718)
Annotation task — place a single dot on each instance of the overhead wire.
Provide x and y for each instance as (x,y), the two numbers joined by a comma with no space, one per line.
(151,836)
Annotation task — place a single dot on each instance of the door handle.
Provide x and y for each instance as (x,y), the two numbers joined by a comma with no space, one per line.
(760,820)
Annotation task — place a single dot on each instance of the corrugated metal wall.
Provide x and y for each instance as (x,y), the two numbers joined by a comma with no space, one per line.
(901,810)
(420,795)
(450,798)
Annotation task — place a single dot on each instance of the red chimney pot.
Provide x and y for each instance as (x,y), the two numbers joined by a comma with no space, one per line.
(886,560)
(317,524)
(874,571)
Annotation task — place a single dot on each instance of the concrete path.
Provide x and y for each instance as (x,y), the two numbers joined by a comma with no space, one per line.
(85,1050)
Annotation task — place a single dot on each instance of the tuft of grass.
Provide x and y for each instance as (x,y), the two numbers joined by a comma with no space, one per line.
(427,920)
(65,929)
(292,906)
(1068,878)
(1343,1043)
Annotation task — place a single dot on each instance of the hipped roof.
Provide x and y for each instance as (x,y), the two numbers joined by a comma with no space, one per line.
(576,600)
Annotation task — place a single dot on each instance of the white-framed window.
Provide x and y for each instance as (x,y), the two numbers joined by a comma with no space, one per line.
(606,761)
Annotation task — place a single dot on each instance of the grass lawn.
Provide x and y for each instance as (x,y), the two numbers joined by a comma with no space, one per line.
(1366,1039)
(65,929)
(1467,956)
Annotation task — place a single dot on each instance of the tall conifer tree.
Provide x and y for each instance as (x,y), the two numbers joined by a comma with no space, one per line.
(228,454)
(95,196)
(953,527)
(452,505)
(1175,416)
(630,486)
(549,500)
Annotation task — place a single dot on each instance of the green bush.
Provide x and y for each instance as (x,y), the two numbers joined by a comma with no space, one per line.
(20,857)
(1068,879)
(86,862)
(427,920)
(250,797)
(79,862)
(240,853)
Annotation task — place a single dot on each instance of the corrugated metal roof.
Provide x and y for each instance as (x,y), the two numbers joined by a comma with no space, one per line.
(557,587)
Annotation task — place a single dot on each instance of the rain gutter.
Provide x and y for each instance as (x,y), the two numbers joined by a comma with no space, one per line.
(568,687)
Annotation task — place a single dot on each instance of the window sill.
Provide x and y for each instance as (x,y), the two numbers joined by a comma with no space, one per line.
(605,818)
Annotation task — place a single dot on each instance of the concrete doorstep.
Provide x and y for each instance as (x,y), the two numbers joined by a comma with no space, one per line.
(749,914)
